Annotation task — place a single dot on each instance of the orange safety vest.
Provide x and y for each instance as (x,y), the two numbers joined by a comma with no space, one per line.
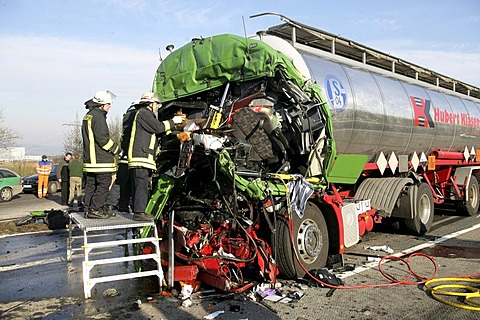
(44,168)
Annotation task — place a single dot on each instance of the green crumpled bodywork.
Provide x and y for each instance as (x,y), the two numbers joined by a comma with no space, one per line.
(255,190)
(209,63)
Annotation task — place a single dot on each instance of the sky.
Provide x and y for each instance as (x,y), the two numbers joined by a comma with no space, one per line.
(54,54)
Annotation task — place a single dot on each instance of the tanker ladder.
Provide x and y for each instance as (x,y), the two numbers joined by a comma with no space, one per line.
(102,228)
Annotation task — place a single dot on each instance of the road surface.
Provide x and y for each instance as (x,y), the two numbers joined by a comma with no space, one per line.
(23,203)
(37,282)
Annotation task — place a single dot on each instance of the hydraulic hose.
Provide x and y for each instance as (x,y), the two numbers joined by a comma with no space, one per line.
(470,294)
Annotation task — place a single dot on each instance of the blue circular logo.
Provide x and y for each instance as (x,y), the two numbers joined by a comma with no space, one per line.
(337,95)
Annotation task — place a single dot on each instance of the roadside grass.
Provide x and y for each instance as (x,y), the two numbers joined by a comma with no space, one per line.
(24,167)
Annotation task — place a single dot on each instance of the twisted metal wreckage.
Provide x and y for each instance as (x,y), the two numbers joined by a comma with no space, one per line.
(258,188)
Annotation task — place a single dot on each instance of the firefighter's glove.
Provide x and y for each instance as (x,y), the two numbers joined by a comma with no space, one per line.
(180,126)
(179,119)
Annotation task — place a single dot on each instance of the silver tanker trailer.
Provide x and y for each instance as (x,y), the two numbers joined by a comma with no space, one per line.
(297,142)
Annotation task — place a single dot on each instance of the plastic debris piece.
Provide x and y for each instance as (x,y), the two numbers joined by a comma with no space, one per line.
(266,285)
(235,308)
(296,295)
(266,293)
(213,315)
(383,248)
(373,259)
(275,298)
(136,305)
(207,291)
(186,291)
(187,303)
(302,286)
(165,294)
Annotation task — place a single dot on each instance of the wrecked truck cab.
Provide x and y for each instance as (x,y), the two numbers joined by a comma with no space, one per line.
(226,82)
(255,150)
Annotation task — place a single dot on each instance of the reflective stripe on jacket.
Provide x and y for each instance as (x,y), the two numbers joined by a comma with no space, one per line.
(143,141)
(44,168)
(98,149)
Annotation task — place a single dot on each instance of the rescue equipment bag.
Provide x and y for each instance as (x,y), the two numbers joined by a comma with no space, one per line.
(56,219)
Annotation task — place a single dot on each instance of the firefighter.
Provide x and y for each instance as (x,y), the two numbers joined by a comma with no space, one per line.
(99,152)
(142,149)
(123,176)
(120,194)
(44,167)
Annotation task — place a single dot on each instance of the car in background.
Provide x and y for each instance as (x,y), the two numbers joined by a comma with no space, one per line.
(30,183)
(10,184)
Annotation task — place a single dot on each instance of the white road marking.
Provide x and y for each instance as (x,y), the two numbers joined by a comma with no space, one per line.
(24,234)
(444,220)
(31,264)
(405,252)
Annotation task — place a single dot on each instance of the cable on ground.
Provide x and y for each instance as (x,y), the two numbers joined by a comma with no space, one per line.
(458,289)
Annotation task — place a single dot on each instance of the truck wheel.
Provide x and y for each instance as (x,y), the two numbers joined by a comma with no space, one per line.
(422,211)
(6,194)
(470,205)
(310,238)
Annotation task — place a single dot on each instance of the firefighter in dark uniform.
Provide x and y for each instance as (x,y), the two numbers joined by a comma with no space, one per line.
(143,148)
(99,152)
(121,191)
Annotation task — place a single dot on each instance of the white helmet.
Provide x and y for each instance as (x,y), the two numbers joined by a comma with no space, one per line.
(103,97)
(135,102)
(149,97)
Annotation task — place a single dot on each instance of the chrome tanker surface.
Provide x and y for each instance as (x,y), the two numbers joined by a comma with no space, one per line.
(377,112)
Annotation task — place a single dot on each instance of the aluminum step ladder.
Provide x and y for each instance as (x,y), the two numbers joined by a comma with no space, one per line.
(94,227)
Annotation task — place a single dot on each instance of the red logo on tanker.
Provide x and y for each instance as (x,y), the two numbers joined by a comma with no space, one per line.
(421,109)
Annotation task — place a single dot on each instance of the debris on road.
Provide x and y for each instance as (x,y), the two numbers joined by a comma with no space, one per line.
(213,315)
(383,248)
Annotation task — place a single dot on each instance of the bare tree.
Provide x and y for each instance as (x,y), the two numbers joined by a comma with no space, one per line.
(115,128)
(73,137)
(7,135)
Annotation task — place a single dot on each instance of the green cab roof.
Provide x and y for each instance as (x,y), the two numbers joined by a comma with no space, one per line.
(205,64)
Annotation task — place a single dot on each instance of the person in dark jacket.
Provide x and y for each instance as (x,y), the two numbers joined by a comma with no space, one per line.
(76,178)
(123,175)
(143,147)
(121,192)
(99,152)
(63,176)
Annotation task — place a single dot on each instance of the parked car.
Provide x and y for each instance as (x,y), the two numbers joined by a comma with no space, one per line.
(30,183)
(10,184)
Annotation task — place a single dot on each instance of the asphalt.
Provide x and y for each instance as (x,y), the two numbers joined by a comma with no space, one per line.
(37,282)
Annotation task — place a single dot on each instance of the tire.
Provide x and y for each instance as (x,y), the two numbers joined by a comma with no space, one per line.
(6,194)
(423,210)
(310,236)
(469,206)
(23,221)
(52,187)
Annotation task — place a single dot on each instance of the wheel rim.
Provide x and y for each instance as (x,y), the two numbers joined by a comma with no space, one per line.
(309,241)
(473,195)
(424,209)
(6,194)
